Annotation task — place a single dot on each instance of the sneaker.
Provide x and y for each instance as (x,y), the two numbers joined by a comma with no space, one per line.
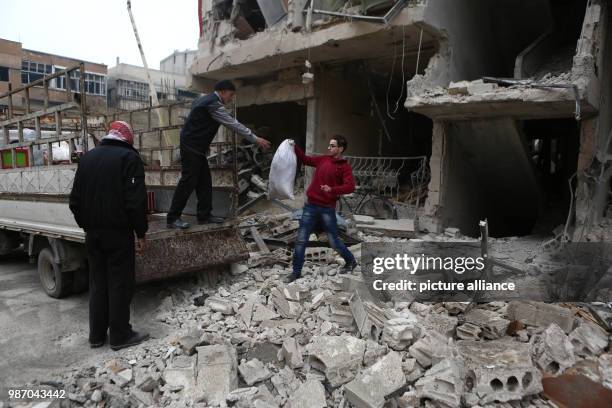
(134,339)
(97,343)
(291,278)
(211,220)
(178,224)
(348,268)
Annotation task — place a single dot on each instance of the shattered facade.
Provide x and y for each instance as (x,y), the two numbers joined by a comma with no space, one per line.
(509,103)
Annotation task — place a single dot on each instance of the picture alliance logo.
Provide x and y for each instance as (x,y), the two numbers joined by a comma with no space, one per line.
(412,264)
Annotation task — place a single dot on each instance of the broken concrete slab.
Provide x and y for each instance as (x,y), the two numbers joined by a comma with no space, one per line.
(286,308)
(139,397)
(499,370)
(338,357)
(441,323)
(219,304)
(370,388)
(217,374)
(480,87)
(181,372)
(262,313)
(285,382)
(541,314)
(190,342)
(588,339)
(492,324)
(123,377)
(458,88)
(401,332)
(443,383)
(369,318)
(148,384)
(553,351)
(468,331)
(311,394)
(373,353)
(290,353)
(432,348)
(254,371)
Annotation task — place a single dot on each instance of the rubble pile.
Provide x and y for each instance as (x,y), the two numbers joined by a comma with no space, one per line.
(323,341)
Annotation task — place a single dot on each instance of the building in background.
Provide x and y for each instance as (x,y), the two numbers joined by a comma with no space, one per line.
(178,62)
(20,66)
(128,87)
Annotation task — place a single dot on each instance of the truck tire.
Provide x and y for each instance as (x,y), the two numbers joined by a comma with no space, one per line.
(55,283)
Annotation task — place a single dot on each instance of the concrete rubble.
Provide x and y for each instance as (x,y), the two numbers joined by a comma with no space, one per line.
(375,383)
(553,351)
(324,341)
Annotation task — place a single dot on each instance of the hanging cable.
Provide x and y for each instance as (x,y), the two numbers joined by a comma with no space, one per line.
(416,71)
(391,78)
(403,80)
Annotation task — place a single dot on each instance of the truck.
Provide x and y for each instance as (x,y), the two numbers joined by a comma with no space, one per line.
(34,188)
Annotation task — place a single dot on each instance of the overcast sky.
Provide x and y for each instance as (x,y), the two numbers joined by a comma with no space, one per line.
(100,31)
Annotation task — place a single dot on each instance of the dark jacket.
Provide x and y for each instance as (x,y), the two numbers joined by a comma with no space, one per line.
(109,189)
(206,115)
(336,173)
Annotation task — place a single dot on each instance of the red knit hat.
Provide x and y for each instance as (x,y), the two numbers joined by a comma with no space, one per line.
(122,130)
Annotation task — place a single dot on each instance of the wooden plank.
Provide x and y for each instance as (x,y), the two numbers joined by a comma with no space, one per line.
(37,127)
(49,154)
(38,82)
(41,113)
(10,102)
(58,124)
(20,132)
(27,98)
(64,138)
(46,86)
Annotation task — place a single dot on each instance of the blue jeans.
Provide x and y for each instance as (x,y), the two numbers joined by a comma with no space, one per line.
(312,216)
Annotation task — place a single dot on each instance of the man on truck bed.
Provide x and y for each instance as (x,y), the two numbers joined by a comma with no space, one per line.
(207,114)
(108,200)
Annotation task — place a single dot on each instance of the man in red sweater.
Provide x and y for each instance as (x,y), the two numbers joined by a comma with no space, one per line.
(333,177)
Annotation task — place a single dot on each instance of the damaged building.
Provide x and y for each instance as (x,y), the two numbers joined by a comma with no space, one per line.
(507,101)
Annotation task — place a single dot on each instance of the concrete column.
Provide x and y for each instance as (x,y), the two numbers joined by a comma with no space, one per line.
(436,165)
(312,106)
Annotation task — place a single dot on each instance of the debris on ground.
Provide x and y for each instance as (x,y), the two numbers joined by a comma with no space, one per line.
(324,341)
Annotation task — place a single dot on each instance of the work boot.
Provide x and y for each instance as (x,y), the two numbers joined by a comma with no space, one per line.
(292,278)
(178,224)
(97,343)
(211,220)
(134,339)
(348,267)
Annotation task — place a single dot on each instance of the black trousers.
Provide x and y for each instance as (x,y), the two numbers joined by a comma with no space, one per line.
(111,283)
(195,174)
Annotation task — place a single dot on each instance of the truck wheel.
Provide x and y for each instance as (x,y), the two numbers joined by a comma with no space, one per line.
(55,283)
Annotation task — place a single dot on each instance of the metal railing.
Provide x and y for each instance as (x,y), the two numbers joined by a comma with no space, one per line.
(382,174)
(75,104)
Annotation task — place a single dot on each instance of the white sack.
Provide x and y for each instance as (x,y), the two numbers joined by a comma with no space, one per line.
(282,172)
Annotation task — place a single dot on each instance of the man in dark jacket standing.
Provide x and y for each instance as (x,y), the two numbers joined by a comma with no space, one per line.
(108,200)
(333,176)
(207,114)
